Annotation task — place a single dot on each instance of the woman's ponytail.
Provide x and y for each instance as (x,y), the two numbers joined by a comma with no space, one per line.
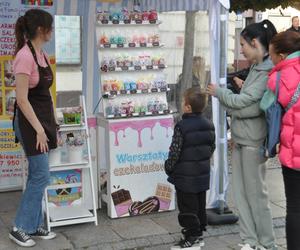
(270,31)
(20,30)
(263,31)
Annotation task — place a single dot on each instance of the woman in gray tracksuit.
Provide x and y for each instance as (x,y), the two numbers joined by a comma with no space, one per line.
(248,129)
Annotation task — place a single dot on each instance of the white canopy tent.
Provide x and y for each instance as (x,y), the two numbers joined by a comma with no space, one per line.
(218,16)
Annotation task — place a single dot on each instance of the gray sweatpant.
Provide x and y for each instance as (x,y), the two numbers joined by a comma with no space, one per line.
(251,196)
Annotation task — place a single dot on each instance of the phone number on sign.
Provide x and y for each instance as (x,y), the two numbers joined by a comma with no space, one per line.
(10,163)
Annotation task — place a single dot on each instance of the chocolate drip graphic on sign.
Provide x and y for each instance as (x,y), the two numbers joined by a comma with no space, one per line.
(139,126)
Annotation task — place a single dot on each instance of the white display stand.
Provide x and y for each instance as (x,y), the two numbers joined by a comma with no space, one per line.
(62,205)
(134,126)
(132,153)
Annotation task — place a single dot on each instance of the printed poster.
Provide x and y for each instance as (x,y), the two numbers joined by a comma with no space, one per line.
(65,196)
(138,150)
(12,159)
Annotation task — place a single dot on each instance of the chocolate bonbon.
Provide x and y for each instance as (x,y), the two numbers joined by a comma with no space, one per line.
(149,205)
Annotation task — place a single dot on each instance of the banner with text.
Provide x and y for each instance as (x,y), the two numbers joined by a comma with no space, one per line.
(138,183)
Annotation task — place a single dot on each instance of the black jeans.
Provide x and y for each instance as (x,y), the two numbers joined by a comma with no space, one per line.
(190,203)
(291,180)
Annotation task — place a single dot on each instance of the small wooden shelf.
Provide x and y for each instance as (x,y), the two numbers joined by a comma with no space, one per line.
(132,23)
(68,166)
(66,185)
(69,213)
(135,69)
(127,46)
(134,92)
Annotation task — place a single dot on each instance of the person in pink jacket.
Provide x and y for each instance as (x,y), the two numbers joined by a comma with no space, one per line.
(284,51)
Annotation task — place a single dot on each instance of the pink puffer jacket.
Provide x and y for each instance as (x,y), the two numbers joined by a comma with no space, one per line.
(289,154)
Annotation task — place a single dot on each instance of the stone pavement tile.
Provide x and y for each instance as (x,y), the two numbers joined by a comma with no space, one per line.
(167,239)
(119,246)
(5,242)
(231,240)
(9,201)
(218,230)
(83,227)
(130,244)
(105,247)
(280,232)
(168,222)
(275,185)
(277,211)
(143,242)
(135,228)
(214,243)
(163,247)
(155,240)
(279,222)
(281,243)
(280,203)
(59,243)
(281,248)
(7,218)
(91,236)
(91,248)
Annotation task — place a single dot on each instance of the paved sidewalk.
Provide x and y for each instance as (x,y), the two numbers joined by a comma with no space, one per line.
(151,232)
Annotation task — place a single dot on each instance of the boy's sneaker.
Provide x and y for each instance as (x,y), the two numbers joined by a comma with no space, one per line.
(198,241)
(21,238)
(190,243)
(43,234)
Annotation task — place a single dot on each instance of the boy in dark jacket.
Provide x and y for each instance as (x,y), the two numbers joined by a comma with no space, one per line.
(188,167)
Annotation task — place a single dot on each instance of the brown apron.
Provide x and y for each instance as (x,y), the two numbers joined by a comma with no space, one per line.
(41,102)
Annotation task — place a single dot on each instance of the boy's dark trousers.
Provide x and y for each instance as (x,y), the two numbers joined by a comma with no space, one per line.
(192,212)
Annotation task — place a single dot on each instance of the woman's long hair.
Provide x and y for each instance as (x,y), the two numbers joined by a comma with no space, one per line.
(27,26)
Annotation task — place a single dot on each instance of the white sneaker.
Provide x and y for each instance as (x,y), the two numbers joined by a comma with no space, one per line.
(247,247)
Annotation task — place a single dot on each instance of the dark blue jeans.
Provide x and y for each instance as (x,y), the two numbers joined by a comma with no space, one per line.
(291,180)
(30,214)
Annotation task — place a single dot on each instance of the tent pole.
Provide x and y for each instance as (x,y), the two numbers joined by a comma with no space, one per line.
(221,214)
(222,114)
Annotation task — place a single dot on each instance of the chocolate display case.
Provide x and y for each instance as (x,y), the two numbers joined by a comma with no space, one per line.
(135,124)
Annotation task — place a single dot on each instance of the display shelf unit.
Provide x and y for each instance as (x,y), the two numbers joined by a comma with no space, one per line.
(73,213)
(137,69)
(134,119)
(133,92)
(119,62)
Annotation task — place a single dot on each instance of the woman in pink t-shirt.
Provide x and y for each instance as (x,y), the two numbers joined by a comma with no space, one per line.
(34,121)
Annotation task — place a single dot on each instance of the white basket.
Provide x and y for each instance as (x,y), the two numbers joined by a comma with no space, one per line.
(75,153)
(55,156)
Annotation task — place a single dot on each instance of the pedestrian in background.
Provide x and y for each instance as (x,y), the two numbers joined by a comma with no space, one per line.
(295,25)
(285,54)
(248,131)
(34,121)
